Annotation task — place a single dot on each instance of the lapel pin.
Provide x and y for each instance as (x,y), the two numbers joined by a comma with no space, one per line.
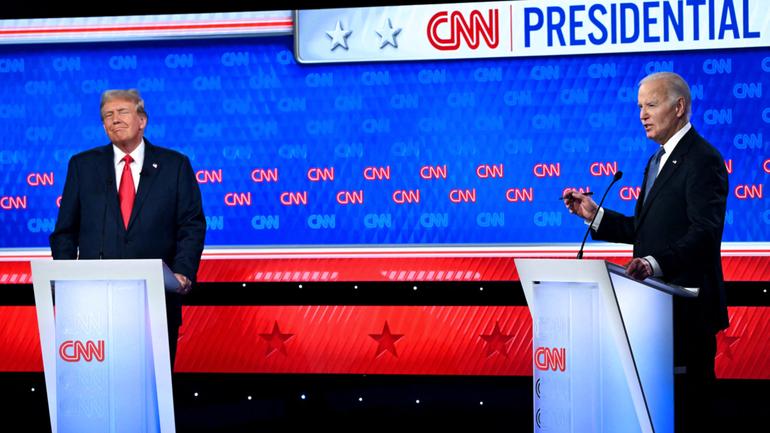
(154,165)
(674,161)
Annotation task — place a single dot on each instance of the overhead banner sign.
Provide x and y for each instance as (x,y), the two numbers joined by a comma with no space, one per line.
(527,28)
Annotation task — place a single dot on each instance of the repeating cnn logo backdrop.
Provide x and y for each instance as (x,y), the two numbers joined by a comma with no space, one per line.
(429,152)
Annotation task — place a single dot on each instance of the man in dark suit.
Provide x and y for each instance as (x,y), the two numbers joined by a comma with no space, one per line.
(676,231)
(132,200)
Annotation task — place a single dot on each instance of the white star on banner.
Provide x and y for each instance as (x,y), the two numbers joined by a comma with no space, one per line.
(339,37)
(388,34)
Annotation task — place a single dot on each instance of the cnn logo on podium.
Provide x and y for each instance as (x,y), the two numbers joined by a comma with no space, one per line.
(76,350)
(551,359)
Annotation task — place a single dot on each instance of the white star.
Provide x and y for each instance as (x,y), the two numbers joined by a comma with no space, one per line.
(339,37)
(388,34)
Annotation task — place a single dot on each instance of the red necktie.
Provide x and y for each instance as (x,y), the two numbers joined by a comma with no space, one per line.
(126,191)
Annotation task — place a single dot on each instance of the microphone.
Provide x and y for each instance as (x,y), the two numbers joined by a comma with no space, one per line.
(104,217)
(616,178)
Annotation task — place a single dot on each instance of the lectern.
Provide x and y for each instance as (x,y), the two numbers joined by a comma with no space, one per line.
(602,347)
(104,340)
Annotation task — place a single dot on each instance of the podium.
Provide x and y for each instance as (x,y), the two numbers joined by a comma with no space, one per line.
(104,340)
(602,346)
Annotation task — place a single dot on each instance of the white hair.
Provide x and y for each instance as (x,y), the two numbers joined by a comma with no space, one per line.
(676,87)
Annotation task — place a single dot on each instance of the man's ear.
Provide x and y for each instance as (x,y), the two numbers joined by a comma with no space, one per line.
(680,108)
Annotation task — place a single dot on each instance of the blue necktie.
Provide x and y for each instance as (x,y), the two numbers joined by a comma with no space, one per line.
(652,171)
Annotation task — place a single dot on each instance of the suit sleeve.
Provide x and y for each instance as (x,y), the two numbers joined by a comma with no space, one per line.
(64,239)
(706,201)
(190,223)
(615,227)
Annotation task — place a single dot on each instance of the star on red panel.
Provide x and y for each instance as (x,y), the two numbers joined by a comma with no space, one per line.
(497,341)
(725,344)
(275,340)
(386,341)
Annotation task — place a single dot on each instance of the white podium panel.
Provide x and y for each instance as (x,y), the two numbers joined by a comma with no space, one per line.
(648,323)
(104,341)
(602,347)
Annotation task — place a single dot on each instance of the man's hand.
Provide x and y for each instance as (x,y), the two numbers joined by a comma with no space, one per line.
(581,205)
(639,269)
(185,285)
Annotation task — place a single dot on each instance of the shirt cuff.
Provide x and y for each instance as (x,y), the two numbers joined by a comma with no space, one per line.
(656,271)
(597,220)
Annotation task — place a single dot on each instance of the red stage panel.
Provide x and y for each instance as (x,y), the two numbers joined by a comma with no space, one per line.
(19,340)
(357,340)
(743,349)
(451,340)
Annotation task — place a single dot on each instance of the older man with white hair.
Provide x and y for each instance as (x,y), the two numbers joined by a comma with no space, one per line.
(676,231)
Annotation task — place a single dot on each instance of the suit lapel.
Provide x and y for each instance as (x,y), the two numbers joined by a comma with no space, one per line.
(150,169)
(676,160)
(106,168)
(641,199)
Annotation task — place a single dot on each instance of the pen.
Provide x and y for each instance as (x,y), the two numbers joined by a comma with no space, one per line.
(569,194)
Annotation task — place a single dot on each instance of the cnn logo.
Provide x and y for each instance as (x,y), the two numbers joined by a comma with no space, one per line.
(445,30)
(551,359)
(75,350)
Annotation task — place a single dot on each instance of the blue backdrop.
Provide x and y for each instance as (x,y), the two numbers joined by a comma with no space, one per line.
(291,154)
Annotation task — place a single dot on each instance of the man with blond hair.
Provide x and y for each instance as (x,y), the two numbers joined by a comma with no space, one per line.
(131,199)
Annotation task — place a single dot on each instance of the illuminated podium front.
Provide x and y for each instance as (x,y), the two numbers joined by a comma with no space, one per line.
(104,340)
(602,347)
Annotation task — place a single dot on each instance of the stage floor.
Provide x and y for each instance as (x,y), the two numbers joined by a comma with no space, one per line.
(263,403)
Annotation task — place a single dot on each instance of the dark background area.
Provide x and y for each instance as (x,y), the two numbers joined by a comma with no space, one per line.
(331,403)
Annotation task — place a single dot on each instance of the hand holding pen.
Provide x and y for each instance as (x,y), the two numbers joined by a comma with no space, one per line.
(580,204)
(568,195)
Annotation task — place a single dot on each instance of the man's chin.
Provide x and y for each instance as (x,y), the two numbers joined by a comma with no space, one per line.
(121,142)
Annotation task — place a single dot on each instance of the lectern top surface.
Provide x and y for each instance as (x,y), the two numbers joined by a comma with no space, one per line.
(690,292)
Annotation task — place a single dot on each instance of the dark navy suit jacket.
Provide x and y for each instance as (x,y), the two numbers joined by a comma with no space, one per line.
(167,220)
(680,225)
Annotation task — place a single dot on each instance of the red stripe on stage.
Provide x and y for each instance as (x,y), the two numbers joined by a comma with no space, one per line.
(425,340)
(446,267)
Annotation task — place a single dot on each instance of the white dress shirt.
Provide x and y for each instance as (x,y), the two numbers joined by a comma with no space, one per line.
(136,165)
